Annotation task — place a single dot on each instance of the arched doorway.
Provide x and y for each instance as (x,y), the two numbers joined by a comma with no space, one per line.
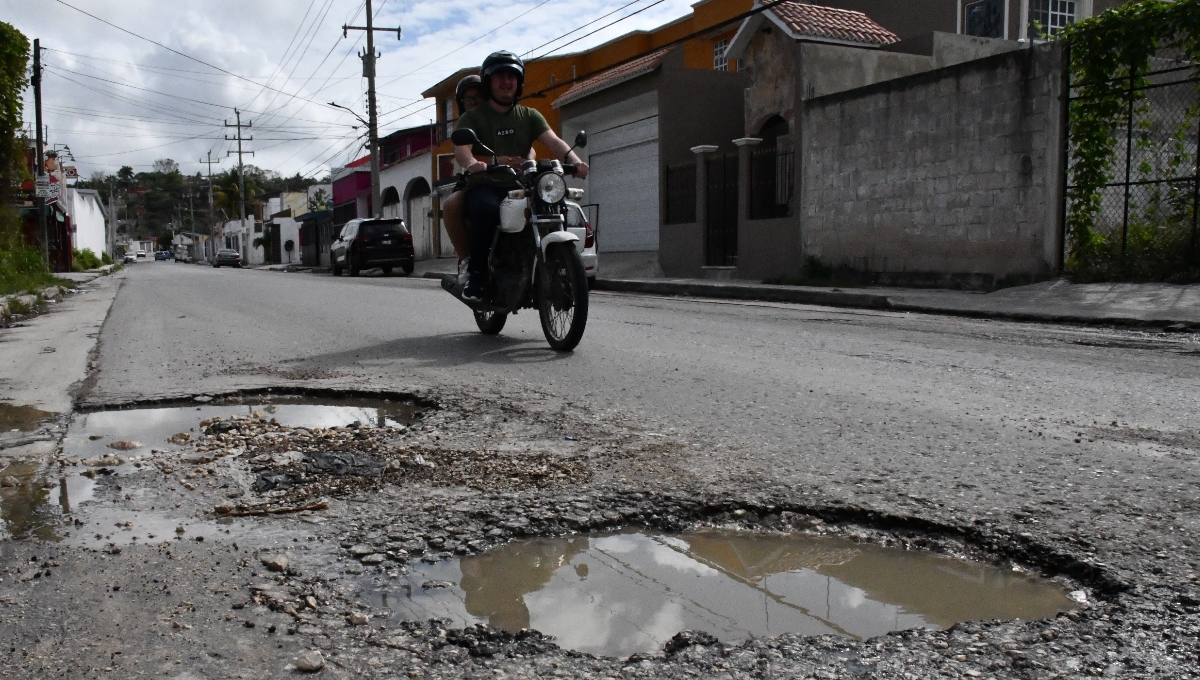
(389,203)
(774,128)
(420,217)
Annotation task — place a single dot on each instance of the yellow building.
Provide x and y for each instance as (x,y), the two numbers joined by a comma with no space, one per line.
(548,78)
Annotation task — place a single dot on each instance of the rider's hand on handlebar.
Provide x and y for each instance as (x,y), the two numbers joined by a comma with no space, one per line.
(477,166)
(581,170)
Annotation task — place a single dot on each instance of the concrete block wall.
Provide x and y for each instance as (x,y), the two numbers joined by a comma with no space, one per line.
(948,177)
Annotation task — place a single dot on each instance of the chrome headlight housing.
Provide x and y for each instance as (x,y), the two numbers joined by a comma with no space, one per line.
(551,187)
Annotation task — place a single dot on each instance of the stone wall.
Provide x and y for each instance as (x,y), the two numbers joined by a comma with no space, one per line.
(949,177)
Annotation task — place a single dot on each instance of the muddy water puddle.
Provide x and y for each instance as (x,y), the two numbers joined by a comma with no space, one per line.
(38,498)
(21,418)
(621,593)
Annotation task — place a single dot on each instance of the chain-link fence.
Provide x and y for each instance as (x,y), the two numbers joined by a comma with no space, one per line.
(1145,220)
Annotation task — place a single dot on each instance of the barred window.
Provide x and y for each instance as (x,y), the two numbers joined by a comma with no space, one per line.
(1047,17)
(720,61)
(448,112)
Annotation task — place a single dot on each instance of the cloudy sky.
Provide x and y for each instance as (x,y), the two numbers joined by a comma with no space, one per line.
(116,99)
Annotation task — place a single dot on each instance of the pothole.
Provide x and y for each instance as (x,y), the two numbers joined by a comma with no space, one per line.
(621,593)
(21,418)
(105,447)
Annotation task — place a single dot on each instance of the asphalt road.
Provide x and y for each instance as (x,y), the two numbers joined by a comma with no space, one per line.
(1083,439)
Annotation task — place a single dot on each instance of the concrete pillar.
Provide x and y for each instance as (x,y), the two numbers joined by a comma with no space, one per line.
(745,146)
(702,152)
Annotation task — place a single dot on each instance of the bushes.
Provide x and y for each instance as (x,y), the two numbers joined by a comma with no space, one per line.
(85,259)
(21,270)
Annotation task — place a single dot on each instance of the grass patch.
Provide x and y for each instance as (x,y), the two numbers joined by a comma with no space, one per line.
(23,271)
(83,260)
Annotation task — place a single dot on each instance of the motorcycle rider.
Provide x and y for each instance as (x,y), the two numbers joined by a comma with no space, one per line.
(509,129)
(467,94)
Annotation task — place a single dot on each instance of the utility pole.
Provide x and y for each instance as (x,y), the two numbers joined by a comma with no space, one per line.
(212,217)
(368,57)
(241,169)
(39,202)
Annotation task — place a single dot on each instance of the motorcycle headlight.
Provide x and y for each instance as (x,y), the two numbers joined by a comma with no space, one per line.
(551,188)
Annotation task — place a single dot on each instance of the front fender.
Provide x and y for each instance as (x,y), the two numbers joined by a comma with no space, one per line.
(557,237)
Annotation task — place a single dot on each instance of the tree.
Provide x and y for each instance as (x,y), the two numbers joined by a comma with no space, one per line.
(318,201)
(14,58)
(165,166)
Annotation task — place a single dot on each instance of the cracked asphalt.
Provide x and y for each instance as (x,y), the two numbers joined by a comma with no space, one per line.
(1072,451)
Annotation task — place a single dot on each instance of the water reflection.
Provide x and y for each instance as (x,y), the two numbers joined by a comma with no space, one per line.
(621,593)
(19,505)
(21,417)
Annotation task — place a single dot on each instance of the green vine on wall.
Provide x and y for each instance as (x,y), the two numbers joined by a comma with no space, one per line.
(1110,57)
(14,59)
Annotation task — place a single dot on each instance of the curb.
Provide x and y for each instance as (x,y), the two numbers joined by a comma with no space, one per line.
(743,291)
(828,298)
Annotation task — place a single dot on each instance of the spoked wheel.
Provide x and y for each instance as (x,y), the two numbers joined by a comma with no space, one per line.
(490,323)
(563,307)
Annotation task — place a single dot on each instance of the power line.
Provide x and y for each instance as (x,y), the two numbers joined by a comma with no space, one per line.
(667,45)
(612,23)
(580,28)
(470,42)
(174,51)
(151,67)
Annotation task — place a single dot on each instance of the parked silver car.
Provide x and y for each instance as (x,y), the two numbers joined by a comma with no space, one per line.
(579,224)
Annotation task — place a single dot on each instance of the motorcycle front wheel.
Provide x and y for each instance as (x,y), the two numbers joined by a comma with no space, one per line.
(563,306)
(490,323)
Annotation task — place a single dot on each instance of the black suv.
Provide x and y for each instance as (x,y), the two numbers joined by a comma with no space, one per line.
(364,244)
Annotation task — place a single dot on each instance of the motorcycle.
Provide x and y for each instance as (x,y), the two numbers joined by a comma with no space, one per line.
(534,260)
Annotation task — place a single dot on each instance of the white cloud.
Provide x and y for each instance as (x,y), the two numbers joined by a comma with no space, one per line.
(109,124)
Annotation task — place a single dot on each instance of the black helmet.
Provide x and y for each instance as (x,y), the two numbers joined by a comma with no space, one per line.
(499,60)
(464,85)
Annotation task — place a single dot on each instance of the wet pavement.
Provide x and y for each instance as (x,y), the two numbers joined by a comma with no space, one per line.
(1067,453)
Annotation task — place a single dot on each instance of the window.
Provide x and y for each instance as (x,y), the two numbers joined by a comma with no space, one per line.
(984,18)
(1047,17)
(720,61)
(448,114)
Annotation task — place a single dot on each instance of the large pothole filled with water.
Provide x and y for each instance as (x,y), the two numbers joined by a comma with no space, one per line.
(616,594)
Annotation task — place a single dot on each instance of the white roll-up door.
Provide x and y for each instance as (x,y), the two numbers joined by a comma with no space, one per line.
(624,181)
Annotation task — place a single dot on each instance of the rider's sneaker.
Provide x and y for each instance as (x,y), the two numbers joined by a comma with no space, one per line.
(473,291)
(462,272)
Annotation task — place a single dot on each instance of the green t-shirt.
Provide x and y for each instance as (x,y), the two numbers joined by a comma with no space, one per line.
(508,134)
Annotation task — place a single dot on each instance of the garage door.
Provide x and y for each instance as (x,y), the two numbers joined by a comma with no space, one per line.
(624,181)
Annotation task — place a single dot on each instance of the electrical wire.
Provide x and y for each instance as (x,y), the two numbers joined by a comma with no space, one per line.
(174,51)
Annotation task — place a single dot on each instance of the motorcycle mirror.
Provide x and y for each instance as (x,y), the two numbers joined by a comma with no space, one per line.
(463,137)
(581,139)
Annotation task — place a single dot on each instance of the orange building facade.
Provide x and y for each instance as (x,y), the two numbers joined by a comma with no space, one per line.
(548,78)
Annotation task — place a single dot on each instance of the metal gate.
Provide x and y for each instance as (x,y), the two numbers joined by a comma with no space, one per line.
(1143,220)
(721,211)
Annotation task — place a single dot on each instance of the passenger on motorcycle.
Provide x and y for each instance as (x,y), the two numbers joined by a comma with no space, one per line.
(510,130)
(468,94)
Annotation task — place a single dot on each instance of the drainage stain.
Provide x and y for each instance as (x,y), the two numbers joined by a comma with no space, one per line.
(621,593)
(22,418)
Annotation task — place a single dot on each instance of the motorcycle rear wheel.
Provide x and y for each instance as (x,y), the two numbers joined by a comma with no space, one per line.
(564,309)
(490,323)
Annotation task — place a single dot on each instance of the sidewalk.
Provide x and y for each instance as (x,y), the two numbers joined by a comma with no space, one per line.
(1058,301)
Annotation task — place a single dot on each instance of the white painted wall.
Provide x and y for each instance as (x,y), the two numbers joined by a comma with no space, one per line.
(400,176)
(87,218)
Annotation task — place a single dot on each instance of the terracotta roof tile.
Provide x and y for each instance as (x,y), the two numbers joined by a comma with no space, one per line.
(817,21)
(613,76)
